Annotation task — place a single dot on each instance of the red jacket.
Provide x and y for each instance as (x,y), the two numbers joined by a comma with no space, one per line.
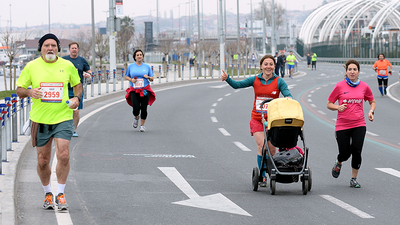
(147,88)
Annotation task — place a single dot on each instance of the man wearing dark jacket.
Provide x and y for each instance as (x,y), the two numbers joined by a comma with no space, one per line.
(278,63)
(282,59)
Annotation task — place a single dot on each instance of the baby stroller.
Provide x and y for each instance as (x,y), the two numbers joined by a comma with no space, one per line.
(285,122)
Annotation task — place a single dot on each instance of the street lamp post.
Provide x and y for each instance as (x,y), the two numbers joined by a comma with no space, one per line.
(158,31)
(273,28)
(251,15)
(221,39)
(198,33)
(93,38)
(238,28)
(263,29)
(10,18)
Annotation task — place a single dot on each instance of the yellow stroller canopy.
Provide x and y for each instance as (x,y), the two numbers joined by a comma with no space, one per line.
(284,112)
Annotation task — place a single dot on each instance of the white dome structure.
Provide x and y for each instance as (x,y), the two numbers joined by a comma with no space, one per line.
(338,20)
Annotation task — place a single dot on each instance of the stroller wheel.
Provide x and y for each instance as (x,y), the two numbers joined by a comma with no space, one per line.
(272,185)
(304,186)
(255,178)
(309,179)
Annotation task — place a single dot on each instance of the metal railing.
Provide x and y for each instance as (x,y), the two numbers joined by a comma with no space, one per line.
(9,122)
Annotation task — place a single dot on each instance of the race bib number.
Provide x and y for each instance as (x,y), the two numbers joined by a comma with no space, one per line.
(382,72)
(139,83)
(259,100)
(52,92)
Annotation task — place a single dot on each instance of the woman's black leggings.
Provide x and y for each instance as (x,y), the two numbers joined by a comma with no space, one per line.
(139,104)
(350,143)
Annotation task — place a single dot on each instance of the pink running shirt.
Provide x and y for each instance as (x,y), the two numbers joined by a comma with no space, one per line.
(353,115)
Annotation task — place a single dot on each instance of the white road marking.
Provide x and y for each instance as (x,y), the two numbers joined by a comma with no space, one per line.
(312,92)
(390,171)
(219,86)
(224,132)
(292,86)
(220,99)
(161,155)
(391,96)
(217,202)
(212,110)
(242,146)
(214,119)
(63,217)
(309,100)
(312,105)
(347,207)
(228,94)
(309,95)
(372,134)
(321,112)
(215,104)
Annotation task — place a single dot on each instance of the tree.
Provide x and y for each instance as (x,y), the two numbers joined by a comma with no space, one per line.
(13,42)
(101,47)
(125,38)
(211,49)
(279,12)
(165,46)
(180,47)
(85,44)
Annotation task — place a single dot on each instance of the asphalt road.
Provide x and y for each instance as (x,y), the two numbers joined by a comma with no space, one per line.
(193,165)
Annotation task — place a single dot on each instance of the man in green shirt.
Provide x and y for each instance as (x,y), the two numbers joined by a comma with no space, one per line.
(314,61)
(51,118)
(290,59)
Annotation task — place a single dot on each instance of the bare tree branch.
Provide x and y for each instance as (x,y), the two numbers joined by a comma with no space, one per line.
(13,43)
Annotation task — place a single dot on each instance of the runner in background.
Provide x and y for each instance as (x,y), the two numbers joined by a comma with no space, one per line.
(313,61)
(291,59)
(84,71)
(139,94)
(381,68)
(308,61)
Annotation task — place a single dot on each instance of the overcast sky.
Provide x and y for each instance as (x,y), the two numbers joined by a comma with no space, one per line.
(35,12)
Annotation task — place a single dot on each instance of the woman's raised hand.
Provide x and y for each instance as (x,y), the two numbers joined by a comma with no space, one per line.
(224,76)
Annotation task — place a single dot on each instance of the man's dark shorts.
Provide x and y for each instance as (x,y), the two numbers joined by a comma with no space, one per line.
(62,130)
(71,95)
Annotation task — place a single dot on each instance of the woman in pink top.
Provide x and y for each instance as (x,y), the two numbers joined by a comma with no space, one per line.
(350,124)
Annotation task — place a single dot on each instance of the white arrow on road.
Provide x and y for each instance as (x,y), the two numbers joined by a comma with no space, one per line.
(217,202)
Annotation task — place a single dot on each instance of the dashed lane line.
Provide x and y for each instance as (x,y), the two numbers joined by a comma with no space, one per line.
(224,132)
(372,134)
(214,119)
(242,146)
(390,171)
(347,207)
